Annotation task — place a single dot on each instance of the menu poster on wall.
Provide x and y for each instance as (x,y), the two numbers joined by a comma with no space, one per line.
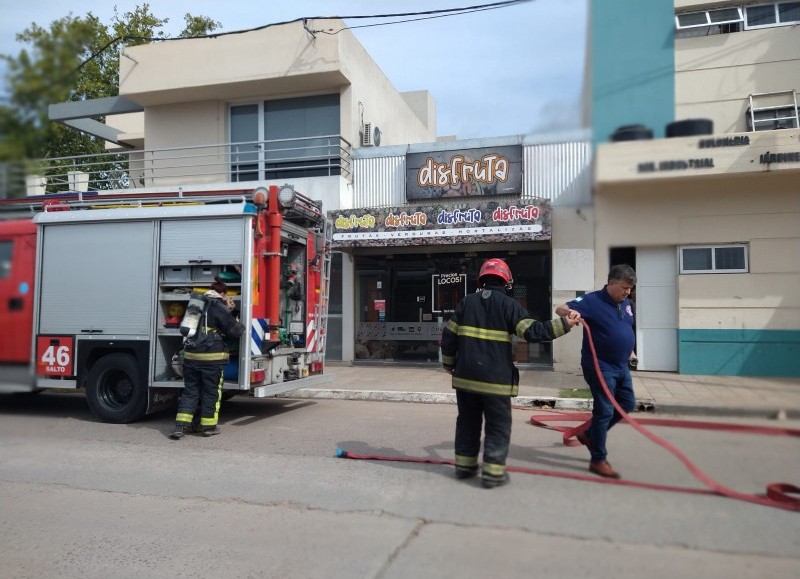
(480,221)
(464,173)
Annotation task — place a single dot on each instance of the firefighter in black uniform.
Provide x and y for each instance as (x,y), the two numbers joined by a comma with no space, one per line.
(476,350)
(204,359)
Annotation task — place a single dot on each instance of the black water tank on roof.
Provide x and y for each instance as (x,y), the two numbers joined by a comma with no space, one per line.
(689,127)
(632,133)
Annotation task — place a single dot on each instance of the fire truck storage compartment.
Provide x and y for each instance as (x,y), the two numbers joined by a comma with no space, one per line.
(97,278)
(191,253)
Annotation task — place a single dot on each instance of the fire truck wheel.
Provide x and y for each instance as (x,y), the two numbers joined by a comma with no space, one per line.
(113,389)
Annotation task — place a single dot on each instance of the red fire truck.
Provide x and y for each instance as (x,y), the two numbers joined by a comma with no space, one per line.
(94,288)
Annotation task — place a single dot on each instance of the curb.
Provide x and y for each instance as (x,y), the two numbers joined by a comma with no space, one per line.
(432,398)
(374,395)
(770,413)
(551,402)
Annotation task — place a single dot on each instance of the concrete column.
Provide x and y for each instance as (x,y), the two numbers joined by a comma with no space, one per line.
(348,308)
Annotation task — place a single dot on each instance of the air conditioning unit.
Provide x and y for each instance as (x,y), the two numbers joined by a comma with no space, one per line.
(370,135)
(366,135)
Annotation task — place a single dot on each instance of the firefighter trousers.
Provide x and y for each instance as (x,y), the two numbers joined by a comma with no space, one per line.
(473,409)
(202,382)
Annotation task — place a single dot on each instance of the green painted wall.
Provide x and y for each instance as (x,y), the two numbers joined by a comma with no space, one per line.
(632,65)
(739,352)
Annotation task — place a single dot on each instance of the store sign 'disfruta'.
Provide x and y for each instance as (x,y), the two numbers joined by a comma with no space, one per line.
(452,222)
(464,173)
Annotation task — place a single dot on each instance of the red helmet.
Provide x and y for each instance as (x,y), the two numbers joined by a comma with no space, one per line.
(496,267)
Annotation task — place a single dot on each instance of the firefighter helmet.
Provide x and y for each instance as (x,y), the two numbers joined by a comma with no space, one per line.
(496,267)
(176,310)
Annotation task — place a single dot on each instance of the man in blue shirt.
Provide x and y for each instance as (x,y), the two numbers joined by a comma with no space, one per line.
(609,314)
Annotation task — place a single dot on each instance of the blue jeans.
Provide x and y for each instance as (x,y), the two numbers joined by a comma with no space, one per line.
(604,415)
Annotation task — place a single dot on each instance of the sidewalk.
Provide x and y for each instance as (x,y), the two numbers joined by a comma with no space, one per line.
(660,392)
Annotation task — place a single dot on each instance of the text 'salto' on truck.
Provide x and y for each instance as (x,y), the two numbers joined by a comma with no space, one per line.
(113,275)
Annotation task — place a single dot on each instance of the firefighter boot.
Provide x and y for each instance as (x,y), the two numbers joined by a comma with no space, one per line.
(490,481)
(211,430)
(493,475)
(463,472)
(177,433)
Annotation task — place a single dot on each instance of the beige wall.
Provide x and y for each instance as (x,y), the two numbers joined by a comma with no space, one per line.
(380,102)
(714,75)
(761,210)
(620,162)
(573,264)
(274,61)
(197,128)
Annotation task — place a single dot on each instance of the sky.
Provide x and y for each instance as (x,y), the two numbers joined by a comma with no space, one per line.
(507,71)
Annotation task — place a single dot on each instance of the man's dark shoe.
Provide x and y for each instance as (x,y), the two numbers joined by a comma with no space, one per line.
(489,481)
(177,433)
(583,438)
(211,430)
(466,471)
(603,469)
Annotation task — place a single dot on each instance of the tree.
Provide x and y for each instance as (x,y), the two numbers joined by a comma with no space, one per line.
(76,58)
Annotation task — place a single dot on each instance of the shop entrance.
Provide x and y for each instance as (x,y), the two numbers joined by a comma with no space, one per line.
(403,301)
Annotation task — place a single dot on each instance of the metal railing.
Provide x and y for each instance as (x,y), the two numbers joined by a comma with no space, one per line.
(314,156)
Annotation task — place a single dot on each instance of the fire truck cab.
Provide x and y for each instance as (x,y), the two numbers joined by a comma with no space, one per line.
(17,256)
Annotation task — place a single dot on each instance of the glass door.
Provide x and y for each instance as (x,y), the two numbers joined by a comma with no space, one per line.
(412,333)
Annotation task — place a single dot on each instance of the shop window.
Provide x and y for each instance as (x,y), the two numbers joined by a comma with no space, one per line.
(714,259)
(403,302)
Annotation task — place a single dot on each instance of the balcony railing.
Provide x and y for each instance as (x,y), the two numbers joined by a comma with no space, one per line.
(316,156)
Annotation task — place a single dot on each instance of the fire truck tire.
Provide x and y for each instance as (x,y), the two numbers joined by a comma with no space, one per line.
(113,389)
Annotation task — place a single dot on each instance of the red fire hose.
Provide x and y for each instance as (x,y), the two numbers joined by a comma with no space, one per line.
(779,495)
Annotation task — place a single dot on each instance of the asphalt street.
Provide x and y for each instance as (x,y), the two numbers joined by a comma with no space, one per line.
(268,498)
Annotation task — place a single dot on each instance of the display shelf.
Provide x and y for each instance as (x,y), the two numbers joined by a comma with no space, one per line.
(162,331)
(198,283)
(170,339)
(181,297)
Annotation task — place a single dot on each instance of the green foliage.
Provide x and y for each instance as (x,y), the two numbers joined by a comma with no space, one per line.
(195,26)
(76,58)
(575,393)
(40,76)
